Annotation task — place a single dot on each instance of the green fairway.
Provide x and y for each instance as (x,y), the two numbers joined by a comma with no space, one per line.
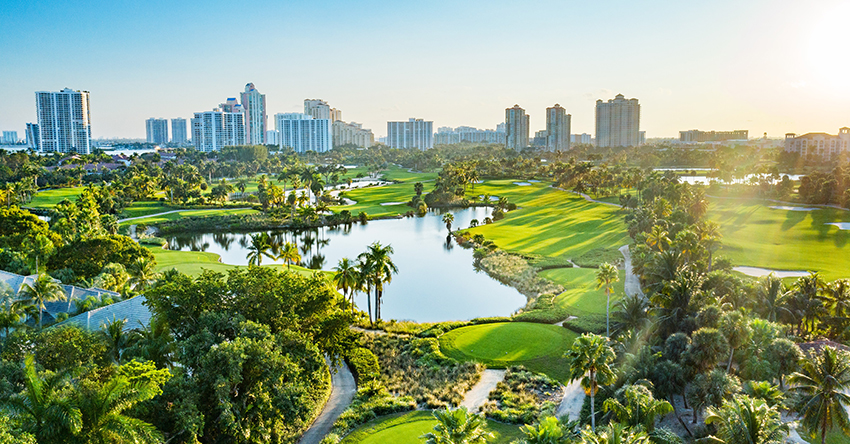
(49,198)
(551,222)
(188,213)
(194,263)
(137,209)
(581,296)
(370,200)
(397,174)
(540,347)
(758,236)
(406,428)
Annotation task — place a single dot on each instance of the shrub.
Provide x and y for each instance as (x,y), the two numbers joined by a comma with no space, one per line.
(363,364)
(154,241)
(522,397)
(87,257)
(363,217)
(587,324)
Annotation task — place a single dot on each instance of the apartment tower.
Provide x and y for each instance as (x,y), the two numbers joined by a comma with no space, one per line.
(516,128)
(178,132)
(212,130)
(415,133)
(557,129)
(256,119)
(157,131)
(64,121)
(617,122)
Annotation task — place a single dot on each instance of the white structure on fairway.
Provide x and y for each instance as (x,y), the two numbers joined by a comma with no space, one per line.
(302,132)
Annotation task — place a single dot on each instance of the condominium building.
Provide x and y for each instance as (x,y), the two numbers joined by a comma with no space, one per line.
(212,130)
(617,122)
(319,109)
(461,134)
(415,133)
(178,132)
(694,136)
(64,121)
(272,137)
(10,137)
(580,138)
(256,119)
(157,131)
(540,139)
(303,133)
(353,133)
(516,128)
(231,106)
(557,128)
(819,144)
(33,141)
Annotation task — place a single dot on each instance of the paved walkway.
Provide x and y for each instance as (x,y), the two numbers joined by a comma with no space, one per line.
(343,389)
(572,401)
(588,198)
(477,395)
(121,221)
(632,283)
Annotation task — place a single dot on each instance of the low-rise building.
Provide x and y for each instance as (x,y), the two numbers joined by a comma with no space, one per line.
(353,133)
(819,144)
(697,136)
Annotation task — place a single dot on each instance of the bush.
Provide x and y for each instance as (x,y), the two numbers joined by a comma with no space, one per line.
(522,397)
(363,364)
(437,330)
(597,256)
(363,217)
(369,403)
(587,324)
(87,257)
(154,241)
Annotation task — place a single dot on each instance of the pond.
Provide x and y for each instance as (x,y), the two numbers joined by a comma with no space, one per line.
(436,280)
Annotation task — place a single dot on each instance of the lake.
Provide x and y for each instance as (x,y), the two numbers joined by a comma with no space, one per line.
(436,281)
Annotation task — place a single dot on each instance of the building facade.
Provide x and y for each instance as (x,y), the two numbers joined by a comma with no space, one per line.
(64,121)
(353,133)
(617,122)
(33,141)
(557,128)
(516,128)
(696,136)
(157,131)
(213,130)
(256,119)
(303,133)
(818,144)
(468,134)
(178,132)
(415,133)
(272,137)
(580,138)
(10,137)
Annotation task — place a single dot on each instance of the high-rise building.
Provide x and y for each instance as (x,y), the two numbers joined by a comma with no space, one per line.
(157,131)
(33,141)
(231,106)
(178,132)
(303,133)
(10,137)
(272,137)
(64,121)
(617,122)
(557,128)
(336,115)
(256,119)
(353,133)
(415,133)
(540,139)
(317,108)
(212,130)
(516,128)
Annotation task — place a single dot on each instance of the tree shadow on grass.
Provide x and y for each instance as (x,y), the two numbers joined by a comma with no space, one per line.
(792,218)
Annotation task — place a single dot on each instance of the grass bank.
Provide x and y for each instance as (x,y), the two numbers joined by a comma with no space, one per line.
(194,263)
(406,428)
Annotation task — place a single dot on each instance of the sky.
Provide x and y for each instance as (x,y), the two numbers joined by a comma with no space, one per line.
(772,66)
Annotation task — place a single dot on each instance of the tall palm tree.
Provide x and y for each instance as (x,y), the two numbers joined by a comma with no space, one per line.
(381,269)
(448,219)
(772,294)
(260,245)
(822,386)
(44,289)
(289,254)
(116,339)
(746,420)
(605,276)
(658,238)
(458,426)
(102,408)
(345,278)
(152,343)
(142,273)
(590,360)
(43,408)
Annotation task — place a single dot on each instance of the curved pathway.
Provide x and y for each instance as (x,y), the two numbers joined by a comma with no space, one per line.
(343,389)
(477,395)
(588,198)
(632,283)
(121,221)
(572,401)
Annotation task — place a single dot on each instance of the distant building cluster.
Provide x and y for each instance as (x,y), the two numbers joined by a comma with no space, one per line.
(697,136)
(818,144)
(556,136)
(468,134)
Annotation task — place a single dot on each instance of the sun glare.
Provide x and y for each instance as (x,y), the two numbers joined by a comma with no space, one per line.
(829,44)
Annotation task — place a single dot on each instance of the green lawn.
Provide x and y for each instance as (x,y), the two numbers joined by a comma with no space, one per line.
(194,263)
(146,207)
(540,347)
(551,222)
(370,200)
(406,428)
(49,198)
(581,295)
(403,175)
(758,236)
(187,213)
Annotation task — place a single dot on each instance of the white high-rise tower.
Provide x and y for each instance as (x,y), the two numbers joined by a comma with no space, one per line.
(256,119)
(64,121)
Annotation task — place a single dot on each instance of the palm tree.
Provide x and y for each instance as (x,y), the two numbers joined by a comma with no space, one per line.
(746,420)
(640,407)
(772,294)
(448,218)
(658,238)
(381,269)
(590,360)
(43,408)
(458,426)
(605,276)
(116,340)
(142,273)
(289,254)
(615,433)
(260,244)
(44,289)
(102,408)
(547,431)
(241,184)
(821,387)
(152,343)
(345,278)
(632,313)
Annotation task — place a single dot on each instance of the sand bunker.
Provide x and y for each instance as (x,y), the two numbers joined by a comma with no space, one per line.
(841,225)
(393,203)
(782,207)
(760,272)
(522,184)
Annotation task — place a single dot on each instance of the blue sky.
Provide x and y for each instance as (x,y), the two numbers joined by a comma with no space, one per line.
(758,65)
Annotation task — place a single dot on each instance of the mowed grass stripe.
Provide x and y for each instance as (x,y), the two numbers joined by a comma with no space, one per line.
(406,428)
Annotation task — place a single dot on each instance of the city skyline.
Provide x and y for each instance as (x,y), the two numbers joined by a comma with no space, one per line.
(756,74)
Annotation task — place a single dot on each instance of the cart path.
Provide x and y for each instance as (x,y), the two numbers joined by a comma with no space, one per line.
(477,395)
(632,283)
(343,389)
(572,401)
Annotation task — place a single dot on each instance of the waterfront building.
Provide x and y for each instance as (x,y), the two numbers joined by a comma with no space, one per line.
(516,128)
(818,144)
(157,131)
(353,133)
(617,122)
(212,130)
(557,128)
(64,121)
(303,132)
(415,133)
(10,137)
(178,132)
(33,141)
(256,119)
(696,136)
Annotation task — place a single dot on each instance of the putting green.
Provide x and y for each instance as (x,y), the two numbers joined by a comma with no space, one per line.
(581,295)
(49,198)
(758,236)
(406,428)
(540,347)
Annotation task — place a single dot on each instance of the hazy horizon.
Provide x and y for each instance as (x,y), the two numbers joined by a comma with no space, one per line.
(763,66)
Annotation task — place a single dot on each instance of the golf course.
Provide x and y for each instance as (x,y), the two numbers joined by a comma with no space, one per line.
(406,428)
